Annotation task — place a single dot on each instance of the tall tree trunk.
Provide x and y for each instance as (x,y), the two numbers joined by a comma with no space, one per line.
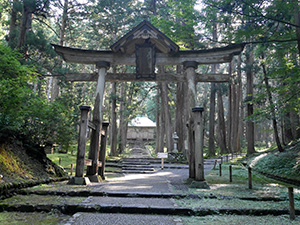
(55,81)
(167,116)
(274,121)
(64,23)
(13,24)
(25,26)
(240,105)
(123,122)
(113,131)
(181,117)
(211,142)
(221,121)
(229,115)
(287,128)
(162,123)
(250,124)
(235,121)
(159,142)
(297,22)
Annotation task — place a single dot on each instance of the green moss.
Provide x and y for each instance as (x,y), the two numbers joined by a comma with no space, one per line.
(18,218)
(44,199)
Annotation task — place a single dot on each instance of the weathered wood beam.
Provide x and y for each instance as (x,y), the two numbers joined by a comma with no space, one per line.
(209,56)
(168,77)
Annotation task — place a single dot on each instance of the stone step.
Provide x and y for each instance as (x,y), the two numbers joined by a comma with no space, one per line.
(138,166)
(137,169)
(135,163)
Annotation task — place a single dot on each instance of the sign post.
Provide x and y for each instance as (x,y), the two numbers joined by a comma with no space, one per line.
(163,156)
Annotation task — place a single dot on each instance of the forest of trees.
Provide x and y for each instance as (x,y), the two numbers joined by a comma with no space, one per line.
(258,108)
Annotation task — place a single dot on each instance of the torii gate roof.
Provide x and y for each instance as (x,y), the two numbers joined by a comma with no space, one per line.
(138,35)
(167,52)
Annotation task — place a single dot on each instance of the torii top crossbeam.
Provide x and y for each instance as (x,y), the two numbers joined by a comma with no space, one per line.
(124,51)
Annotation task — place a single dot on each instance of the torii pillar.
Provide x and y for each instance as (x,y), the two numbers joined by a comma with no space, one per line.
(190,67)
(91,173)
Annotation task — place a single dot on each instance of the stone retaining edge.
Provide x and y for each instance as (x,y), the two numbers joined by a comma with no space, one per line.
(72,209)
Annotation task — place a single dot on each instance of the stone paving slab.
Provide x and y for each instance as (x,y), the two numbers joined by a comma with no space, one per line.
(114,201)
(122,219)
(131,183)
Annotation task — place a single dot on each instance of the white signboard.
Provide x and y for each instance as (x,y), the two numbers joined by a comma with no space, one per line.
(162,155)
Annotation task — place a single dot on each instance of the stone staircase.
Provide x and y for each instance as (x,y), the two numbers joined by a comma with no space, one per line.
(139,165)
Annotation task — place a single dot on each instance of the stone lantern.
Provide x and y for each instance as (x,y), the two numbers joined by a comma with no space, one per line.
(175,138)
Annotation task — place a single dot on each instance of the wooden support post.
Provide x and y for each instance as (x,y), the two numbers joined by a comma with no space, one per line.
(215,164)
(162,163)
(71,170)
(82,140)
(190,67)
(230,173)
(102,153)
(220,170)
(250,177)
(198,143)
(97,120)
(291,203)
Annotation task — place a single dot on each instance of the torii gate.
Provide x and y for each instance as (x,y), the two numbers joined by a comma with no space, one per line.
(145,47)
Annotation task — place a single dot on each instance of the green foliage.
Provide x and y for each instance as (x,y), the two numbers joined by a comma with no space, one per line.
(22,111)
(285,164)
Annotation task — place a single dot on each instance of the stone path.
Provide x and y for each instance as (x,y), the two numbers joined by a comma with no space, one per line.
(156,183)
(131,199)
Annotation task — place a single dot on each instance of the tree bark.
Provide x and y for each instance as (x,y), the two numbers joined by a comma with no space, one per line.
(250,124)
(221,121)
(211,142)
(162,126)
(181,118)
(274,121)
(240,104)
(13,24)
(297,22)
(113,131)
(167,116)
(55,81)
(25,26)
(123,122)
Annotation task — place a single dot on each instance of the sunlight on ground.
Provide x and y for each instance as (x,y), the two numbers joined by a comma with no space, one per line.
(257,159)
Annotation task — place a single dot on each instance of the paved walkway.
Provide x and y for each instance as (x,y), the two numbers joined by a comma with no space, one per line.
(160,182)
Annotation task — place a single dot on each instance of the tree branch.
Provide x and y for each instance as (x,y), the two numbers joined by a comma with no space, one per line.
(256,15)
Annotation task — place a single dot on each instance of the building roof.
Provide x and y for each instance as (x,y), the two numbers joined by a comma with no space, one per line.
(141,122)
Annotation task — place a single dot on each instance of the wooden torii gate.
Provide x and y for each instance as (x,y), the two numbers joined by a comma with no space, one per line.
(145,47)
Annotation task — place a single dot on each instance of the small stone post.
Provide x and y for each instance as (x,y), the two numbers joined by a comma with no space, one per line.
(175,138)
(102,153)
(198,140)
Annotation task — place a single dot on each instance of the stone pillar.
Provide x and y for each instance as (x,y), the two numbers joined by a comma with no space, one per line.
(190,67)
(97,121)
(79,179)
(102,153)
(198,143)
(82,140)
